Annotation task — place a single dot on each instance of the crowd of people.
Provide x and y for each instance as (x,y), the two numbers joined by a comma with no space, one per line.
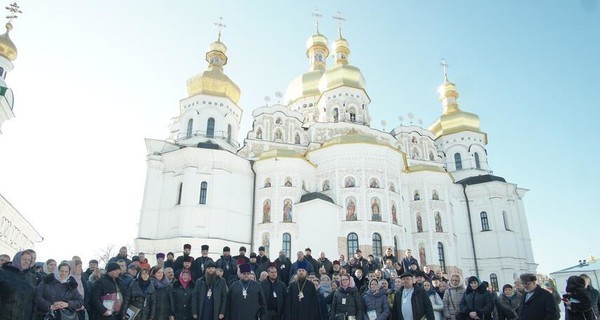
(253,287)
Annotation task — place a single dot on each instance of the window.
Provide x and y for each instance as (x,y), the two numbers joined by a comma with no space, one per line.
(179,193)
(377,245)
(259,133)
(352,241)
(229,133)
(336,115)
(494,281)
(190,126)
(458,161)
(395,246)
(441,257)
(438,223)
(267,182)
(417,195)
(485,225)
(326,186)
(419,223)
(203,188)
(353,115)
(210,128)
(505,218)
(287,244)
(477,162)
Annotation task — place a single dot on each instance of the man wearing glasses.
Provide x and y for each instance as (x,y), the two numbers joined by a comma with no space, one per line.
(537,303)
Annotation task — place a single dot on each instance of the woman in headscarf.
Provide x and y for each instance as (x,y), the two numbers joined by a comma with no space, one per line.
(17,288)
(375,302)
(181,296)
(436,301)
(161,287)
(577,300)
(47,268)
(58,290)
(453,296)
(82,286)
(140,297)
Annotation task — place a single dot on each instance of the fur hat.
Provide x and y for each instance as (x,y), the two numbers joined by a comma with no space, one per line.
(528,277)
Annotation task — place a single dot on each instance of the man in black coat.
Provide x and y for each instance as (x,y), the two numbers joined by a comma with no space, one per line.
(284,265)
(420,305)
(275,293)
(245,299)
(228,265)
(108,285)
(209,300)
(537,303)
(201,262)
(178,264)
(302,302)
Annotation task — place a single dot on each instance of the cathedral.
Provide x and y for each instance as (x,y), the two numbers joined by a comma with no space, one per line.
(312,172)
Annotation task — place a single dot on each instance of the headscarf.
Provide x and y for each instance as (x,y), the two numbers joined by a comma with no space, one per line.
(460,282)
(57,272)
(185,284)
(325,288)
(16,262)
(45,266)
(77,278)
(431,289)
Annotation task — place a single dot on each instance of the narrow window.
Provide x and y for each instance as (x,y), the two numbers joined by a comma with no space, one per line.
(458,161)
(419,223)
(210,128)
(485,225)
(203,189)
(352,242)
(494,281)
(438,223)
(441,257)
(287,244)
(190,126)
(505,218)
(352,115)
(179,193)
(477,162)
(336,115)
(377,245)
(229,133)
(396,246)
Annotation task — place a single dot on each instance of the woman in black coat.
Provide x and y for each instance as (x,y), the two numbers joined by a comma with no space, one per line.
(476,301)
(17,288)
(58,290)
(161,292)
(577,300)
(140,294)
(181,296)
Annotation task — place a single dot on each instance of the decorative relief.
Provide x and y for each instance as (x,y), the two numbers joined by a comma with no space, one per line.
(437,205)
(416,206)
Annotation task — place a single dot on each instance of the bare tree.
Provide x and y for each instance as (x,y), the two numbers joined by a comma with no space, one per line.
(104,254)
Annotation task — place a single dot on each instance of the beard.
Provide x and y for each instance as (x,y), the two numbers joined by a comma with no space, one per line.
(210,278)
(301,278)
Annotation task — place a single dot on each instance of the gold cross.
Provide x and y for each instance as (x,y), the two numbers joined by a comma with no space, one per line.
(444,65)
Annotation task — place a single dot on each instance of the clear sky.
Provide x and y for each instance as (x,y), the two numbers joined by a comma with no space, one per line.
(94,78)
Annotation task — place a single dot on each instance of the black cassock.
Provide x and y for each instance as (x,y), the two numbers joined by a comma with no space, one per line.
(246,306)
(302,302)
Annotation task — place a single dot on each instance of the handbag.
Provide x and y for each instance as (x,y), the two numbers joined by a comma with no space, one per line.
(68,314)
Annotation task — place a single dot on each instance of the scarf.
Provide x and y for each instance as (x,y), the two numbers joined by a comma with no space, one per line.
(16,262)
(325,289)
(185,284)
(160,284)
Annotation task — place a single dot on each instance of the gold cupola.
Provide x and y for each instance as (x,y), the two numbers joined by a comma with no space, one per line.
(7,47)
(213,81)
(307,84)
(453,120)
(342,73)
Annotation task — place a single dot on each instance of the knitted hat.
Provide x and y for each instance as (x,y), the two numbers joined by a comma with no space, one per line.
(242,248)
(112,266)
(261,248)
(253,255)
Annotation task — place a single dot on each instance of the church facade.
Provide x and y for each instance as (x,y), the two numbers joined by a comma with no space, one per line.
(312,173)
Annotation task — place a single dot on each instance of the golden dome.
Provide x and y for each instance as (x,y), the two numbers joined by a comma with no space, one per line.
(317,40)
(453,120)
(213,81)
(7,47)
(342,74)
(307,84)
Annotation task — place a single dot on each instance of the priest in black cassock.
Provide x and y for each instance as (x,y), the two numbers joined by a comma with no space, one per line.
(245,299)
(302,301)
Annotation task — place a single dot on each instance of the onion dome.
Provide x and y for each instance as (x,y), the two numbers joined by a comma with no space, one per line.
(7,47)
(453,120)
(342,74)
(213,81)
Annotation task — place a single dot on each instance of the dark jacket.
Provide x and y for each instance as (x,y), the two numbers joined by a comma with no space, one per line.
(581,304)
(283,270)
(594,294)
(325,263)
(219,294)
(507,307)
(17,293)
(421,305)
(540,306)
(145,301)
(51,290)
(378,302)
(161,292)
(478,300)
(199,266)
(180,300)
(229,269)
(102,287)
(313,262)
(274,300)
(347,302)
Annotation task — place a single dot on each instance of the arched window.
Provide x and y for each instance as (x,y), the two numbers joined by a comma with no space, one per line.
(494,281)
(374,183)
(377,245)
(395,246)
(266,211)
(438,223)
(288,182)
(417,196)
(394,213)
(441,257)
(375,209)
(352,241)
(210,127)
(267,182)
(190,126)
(179,193)
(297,139)
(278,135)
(259,133)
(350,183)
(287,244)
(485,224)
(336,115)
(351,209)
(477,162)
(203,189)
(229,133)
(419,223)
(458,161)
(505,218)
(352,115)
(287,210)
(326,185)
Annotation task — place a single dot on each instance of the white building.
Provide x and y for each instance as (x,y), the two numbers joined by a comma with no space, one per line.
(313,173)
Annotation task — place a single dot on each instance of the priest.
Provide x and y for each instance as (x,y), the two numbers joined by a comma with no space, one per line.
(245,299)
(302,301)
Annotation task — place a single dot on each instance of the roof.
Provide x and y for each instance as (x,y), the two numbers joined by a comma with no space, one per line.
(480,179)
(588,266)
(315,195)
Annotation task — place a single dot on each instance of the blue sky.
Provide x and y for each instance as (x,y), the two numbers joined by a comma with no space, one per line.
(94,78)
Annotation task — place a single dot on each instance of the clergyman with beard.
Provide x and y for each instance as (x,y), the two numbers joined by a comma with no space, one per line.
(283,265)
(245,299)
(209,300)
(275,292)
(302,302)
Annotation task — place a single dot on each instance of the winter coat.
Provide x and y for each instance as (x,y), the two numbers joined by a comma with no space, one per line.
(507,307)
(51,290)
(421,305)
(452,298)
(219,294)
(437,304)
(145,301)
(378,302)
(280,291)
(180,300)
(17,293)
(102,287)
(325,263)
(540,306)
(594,294)
(478,300)
(227,264)
(161,292)
(581,304)
(283,270)
(346,301)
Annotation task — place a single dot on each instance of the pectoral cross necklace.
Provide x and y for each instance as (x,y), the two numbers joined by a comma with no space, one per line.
(300,293)
(245,290)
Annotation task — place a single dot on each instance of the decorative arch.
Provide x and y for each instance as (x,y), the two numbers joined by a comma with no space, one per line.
(416,195)
(278,135)
(287,210)
(297,138)
(375,209)
(349,182)
(351,214)
(266,211)
(422,255)
(259,134)
(288,182)
(374,183)
(326,186)
(419,223)
(394,213)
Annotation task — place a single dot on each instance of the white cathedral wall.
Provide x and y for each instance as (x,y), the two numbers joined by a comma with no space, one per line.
(318,227)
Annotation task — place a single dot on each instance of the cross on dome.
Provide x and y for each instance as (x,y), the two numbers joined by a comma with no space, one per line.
(338,16)
(317,16)
(220,25)
(13,11)
(444,65)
